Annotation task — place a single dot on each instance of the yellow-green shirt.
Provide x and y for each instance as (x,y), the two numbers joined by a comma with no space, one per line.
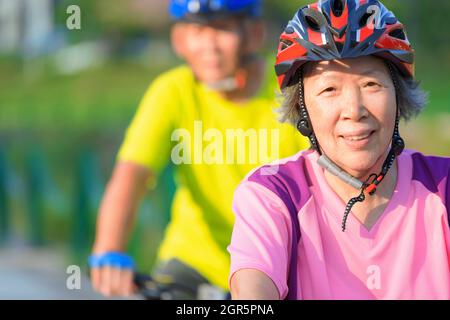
(214,144)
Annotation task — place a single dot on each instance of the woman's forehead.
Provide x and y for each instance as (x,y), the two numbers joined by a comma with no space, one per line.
(359,66)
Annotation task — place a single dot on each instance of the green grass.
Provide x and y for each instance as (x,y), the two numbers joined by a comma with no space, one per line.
(438,86)
(101,98)
(428,134)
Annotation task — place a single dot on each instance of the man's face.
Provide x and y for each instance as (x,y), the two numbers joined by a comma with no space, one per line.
(213,49)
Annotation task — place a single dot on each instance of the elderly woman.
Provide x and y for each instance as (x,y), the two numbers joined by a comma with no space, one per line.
(356,216)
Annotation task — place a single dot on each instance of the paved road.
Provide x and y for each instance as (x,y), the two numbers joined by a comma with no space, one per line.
(38,274)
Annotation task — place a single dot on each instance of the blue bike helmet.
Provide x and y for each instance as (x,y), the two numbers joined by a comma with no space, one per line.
(194,9)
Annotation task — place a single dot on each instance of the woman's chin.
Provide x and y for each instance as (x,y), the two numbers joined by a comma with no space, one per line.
(359,165)
(361,173)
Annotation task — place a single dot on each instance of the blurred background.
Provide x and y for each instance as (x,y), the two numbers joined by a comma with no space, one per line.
(67,96)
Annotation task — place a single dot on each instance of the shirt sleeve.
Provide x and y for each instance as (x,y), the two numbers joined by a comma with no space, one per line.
(261,235)
(148,138)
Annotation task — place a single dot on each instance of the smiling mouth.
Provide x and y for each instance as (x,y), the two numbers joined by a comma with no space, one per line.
(358,137)
(358,140)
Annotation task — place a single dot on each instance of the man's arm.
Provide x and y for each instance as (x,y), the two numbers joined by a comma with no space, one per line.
(115,222)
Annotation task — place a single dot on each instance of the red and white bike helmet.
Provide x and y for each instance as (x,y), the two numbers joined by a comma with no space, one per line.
(340,29)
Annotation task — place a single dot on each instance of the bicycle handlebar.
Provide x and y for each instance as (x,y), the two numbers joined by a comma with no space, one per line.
(151,289)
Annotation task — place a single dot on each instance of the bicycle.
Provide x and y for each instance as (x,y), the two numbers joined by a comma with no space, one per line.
(151,289)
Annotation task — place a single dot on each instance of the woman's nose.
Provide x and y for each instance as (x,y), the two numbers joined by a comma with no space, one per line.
(353,106)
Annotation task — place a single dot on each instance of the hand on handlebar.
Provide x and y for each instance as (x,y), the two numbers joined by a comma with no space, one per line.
(112,274)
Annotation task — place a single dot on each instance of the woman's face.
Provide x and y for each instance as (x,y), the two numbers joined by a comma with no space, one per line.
(352,107)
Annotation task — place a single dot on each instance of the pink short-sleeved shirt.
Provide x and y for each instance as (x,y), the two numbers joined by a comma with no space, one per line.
(288,225)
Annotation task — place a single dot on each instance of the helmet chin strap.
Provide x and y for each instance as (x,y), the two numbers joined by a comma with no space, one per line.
(238,80)
(370,185)
(228,84)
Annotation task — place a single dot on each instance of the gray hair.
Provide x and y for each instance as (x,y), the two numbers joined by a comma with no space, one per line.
(412,99)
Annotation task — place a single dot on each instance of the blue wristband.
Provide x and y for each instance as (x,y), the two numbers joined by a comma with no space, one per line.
(111,259)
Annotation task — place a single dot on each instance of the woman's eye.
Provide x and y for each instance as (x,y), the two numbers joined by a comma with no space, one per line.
(372,84)
(330,89)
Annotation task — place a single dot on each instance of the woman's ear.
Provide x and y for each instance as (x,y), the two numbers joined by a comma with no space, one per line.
(178,40)
(255,36)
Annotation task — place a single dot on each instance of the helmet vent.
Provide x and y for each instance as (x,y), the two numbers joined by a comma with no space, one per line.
(398,33)
(312,23)
(285,44)
(337,6)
